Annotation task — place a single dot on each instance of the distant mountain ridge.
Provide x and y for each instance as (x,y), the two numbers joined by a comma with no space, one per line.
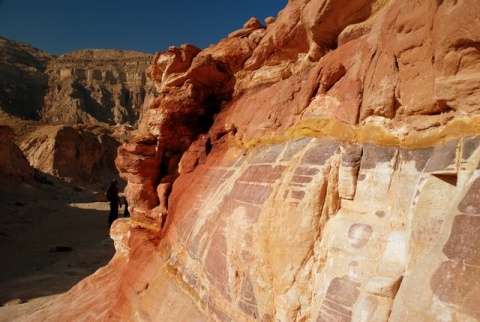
(86,86)
(23,81)
(62,111)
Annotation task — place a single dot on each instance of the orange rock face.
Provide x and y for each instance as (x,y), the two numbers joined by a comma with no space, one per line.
(324,168)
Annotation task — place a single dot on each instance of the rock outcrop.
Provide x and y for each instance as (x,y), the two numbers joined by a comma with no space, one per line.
(13,164)
(322,168)
(76,154)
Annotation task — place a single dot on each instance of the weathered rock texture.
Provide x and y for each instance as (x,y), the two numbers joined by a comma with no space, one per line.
(13,163)
(23,82)
(322,168)
(77,154)
(88,86)
(101,87)
(83,155)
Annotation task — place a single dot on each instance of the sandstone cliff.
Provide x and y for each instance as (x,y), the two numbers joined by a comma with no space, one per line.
(324,167)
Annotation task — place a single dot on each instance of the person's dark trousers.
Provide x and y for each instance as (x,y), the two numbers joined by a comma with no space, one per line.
(113,213)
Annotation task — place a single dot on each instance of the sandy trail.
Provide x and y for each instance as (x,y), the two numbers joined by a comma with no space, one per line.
(51,237)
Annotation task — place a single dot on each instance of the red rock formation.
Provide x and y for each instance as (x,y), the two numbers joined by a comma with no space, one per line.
(329,172)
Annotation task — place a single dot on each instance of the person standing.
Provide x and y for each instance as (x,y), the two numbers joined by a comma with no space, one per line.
(126,212)
(115,202)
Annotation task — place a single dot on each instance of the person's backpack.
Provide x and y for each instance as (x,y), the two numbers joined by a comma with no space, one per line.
(108,194)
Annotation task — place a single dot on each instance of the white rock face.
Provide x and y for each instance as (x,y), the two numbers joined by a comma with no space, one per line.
(267,236)
(305,252)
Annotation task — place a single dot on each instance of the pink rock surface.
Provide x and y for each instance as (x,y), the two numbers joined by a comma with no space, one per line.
(324,168)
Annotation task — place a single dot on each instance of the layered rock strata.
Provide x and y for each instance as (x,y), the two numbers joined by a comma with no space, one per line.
(335,177)
(23,82)
(101,87)
(88,86)
(312,229)
(321,230)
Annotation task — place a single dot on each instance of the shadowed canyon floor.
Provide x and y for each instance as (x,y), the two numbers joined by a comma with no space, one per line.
(51,237)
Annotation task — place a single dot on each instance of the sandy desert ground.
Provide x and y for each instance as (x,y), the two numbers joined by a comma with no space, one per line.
(51,237)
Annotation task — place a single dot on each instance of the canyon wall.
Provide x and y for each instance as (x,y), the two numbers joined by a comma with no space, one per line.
(82,155)
(85,104)
(23,82)
(86,86)
(324,167)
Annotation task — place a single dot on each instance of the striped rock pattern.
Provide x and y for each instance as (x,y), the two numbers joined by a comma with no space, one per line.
(323,168)
(276,217)
(268,235)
